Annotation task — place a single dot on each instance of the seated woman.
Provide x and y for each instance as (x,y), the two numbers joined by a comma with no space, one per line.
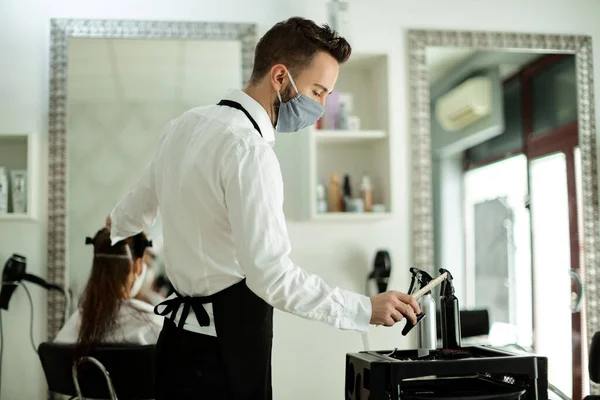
(147,292)
(108,312)
(163,286)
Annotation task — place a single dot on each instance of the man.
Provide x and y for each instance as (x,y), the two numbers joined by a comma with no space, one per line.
(218,184)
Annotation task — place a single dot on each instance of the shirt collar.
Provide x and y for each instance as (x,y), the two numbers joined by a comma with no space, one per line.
(256,111)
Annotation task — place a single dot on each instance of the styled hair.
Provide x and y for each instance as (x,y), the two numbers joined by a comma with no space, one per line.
(295,42)
(138,244)
(107,285)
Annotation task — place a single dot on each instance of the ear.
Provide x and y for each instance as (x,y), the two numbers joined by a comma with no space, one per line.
(277,75)
(137,266)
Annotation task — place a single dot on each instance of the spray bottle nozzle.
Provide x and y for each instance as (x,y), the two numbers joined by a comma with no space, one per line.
(420,276)
(447,286)
(423,278)
(450,277)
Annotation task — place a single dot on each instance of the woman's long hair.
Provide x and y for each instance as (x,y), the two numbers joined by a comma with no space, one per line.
(107,286)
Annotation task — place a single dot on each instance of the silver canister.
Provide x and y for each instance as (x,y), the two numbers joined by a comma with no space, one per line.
(427,327)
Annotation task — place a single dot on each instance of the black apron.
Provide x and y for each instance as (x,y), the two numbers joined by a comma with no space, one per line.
(234,365)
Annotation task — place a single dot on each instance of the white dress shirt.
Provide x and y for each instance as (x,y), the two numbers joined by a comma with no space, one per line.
(136,324)
(219,188)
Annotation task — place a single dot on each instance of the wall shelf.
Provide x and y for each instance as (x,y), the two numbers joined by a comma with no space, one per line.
(310,156)
(352,217)
(344,136)
(16,217)
(18,152)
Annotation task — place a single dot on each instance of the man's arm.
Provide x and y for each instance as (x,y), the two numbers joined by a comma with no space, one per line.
(254,196)
(137,210)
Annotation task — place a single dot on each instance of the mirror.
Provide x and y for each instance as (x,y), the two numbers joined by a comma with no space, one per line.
(114,86)
(505,154)
(506,135)
(121,93)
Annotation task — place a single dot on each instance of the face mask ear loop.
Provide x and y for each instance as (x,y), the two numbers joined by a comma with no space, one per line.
(279,96)
(292,82)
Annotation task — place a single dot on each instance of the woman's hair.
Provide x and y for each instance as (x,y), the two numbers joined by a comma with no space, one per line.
(138,244)
(107,285)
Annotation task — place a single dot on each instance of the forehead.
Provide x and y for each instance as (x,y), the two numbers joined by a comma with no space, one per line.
(323,70)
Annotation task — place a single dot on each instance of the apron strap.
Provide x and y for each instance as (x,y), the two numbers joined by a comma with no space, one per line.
(238,106)
(171,306)
(196,303)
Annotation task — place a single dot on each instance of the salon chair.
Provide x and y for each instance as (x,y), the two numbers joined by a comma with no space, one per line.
(472,323)
(110,370)
(594,363)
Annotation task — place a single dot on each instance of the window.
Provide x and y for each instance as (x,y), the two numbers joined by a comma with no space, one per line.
(554,96)
(540,109)
(498,248)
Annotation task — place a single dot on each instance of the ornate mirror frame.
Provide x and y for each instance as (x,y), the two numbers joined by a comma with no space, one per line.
(422,222)
(61,31)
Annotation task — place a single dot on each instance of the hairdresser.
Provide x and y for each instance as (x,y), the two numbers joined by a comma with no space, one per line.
(218,184)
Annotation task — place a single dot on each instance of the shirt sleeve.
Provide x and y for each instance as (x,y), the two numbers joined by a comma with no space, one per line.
(254,196)
(137,210)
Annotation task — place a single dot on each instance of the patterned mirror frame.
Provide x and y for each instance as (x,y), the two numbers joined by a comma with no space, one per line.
(61,31)
(422,223)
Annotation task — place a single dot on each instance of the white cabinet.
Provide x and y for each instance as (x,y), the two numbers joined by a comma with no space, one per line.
(312,155)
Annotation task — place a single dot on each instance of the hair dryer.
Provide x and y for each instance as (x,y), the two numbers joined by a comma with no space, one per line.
(13,273)
(381,270)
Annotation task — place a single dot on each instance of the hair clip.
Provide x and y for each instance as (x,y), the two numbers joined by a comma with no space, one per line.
(89,240)
(148,243)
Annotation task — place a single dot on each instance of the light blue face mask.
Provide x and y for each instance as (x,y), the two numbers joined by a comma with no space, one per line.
(298,112)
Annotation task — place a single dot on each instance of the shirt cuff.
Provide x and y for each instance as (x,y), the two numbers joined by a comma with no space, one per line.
(115,237)
(357,312)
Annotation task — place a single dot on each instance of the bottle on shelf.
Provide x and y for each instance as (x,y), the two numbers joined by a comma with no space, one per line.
(332,115)
(347,192)
(321,198)
(345,109)
(334,194)
(343,117)
(367,192)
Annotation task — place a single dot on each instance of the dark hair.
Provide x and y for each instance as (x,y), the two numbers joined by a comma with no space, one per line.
(106,286)
(294,43)
(138,244)
(162,284)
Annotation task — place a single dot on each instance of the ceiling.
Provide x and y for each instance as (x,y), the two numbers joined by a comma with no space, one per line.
(152,71)
(442,60)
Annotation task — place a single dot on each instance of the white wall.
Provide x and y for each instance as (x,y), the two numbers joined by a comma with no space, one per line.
(309,358)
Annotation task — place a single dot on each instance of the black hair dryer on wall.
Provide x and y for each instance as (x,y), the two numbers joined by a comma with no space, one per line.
(13,273)
(382,268)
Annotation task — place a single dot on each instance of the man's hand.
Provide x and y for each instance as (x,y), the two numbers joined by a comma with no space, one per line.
(107,223)
(391,307)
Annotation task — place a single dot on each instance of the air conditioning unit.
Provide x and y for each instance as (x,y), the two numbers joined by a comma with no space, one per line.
(465,104)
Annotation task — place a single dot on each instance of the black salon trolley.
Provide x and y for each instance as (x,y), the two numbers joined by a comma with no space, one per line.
(468,373)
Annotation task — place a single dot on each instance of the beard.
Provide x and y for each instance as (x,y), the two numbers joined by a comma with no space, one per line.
(286,94)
